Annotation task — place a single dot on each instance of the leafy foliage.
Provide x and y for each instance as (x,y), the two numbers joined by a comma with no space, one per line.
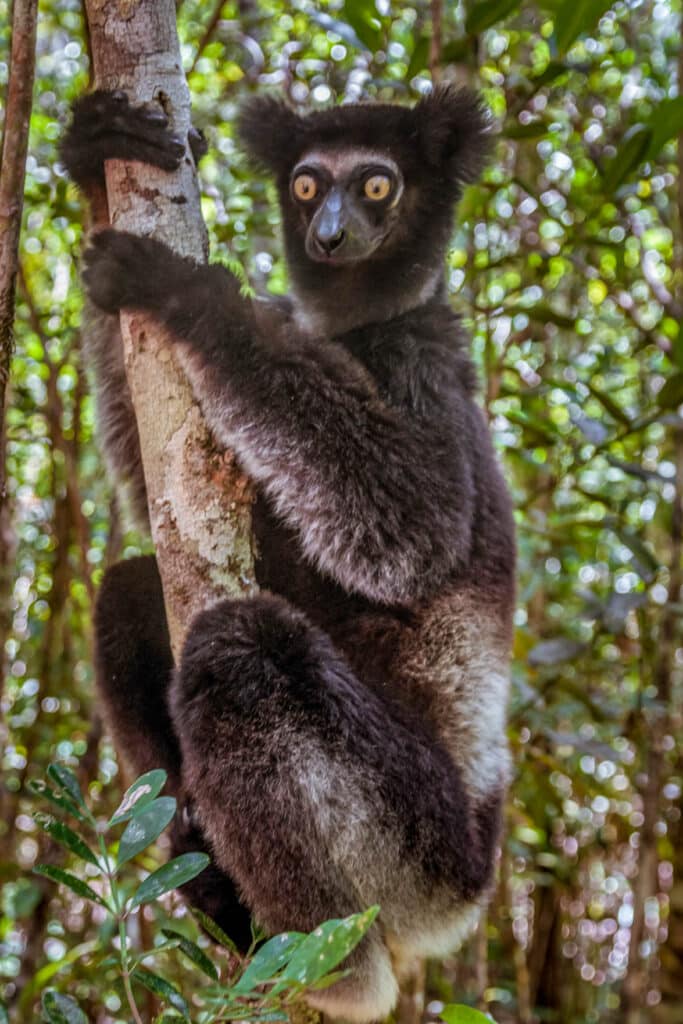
(259,988)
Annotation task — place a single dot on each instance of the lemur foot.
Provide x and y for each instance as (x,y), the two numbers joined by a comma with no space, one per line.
(121,270)
(106,125)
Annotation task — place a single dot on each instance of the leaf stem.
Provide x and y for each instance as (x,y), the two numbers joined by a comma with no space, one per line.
(118,907)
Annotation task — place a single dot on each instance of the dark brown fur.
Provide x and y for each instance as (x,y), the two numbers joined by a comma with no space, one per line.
(341,738)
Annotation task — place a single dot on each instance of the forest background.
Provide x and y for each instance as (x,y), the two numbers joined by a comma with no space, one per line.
(567,265)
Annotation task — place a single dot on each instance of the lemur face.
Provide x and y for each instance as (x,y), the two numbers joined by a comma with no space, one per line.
(347,202)
(367,193)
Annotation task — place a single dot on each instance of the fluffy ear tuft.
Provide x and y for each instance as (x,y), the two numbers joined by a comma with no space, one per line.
(270,133)
(455,131)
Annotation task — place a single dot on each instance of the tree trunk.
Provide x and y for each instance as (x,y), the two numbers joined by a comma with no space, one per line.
(12,173)
(199,502)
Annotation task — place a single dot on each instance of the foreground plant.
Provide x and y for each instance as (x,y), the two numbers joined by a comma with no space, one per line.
(260,987)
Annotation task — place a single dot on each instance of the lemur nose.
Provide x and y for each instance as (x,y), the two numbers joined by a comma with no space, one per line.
(330,242)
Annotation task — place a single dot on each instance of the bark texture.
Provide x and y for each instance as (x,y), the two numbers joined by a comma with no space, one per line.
(199,502)
(12,173)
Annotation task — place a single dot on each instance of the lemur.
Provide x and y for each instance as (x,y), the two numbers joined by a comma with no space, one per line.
(340,739)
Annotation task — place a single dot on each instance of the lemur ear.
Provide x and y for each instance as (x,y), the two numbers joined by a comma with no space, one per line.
(455,131)
(270,133)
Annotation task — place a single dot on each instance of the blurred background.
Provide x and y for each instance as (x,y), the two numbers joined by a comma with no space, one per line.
(567,266)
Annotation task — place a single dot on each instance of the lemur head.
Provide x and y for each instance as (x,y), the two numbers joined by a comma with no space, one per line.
(367,193)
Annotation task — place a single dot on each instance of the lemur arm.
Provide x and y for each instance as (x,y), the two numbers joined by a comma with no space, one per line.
(377,500)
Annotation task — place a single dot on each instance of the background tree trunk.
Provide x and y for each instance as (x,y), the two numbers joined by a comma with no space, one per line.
(12,174)
(199,501)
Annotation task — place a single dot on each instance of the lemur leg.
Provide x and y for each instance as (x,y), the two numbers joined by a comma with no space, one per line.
(133,665)
(318,796)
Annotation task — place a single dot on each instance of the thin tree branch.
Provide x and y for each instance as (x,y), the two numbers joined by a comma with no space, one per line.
(12,174)
(207,36)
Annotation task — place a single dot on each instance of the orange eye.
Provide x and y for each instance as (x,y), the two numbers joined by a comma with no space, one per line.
(377,187)
(305,187)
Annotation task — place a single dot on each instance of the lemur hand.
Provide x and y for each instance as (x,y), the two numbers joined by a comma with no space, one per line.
(107,126)
(124,271)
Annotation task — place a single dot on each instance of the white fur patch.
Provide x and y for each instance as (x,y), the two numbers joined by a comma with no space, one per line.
(368,994)
(443,936)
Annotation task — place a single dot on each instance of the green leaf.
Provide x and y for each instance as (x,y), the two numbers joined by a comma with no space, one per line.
(145,827)
(76,885)
(4,1013)
(643,560)
(162,988)
(576,17)
(325,948)
(65,780)
(459,1014)
(64,835)
(170,876)
(419,57)
(457,50)
(270,959)
(629,155)
(328,980)
(551,73)
(41,789)
(213,929)
(361,15)
(665,122)
(61,1009)
(615,411)
(193,952)
(484,13)
(541,430)
(139,795)
(543,312)
(514,130)
(671,395)
(20,899)
(676,354)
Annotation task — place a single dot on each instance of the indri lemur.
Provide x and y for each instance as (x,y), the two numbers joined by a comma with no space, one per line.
(339,739)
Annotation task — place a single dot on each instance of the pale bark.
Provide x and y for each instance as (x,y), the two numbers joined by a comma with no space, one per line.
(199,501)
